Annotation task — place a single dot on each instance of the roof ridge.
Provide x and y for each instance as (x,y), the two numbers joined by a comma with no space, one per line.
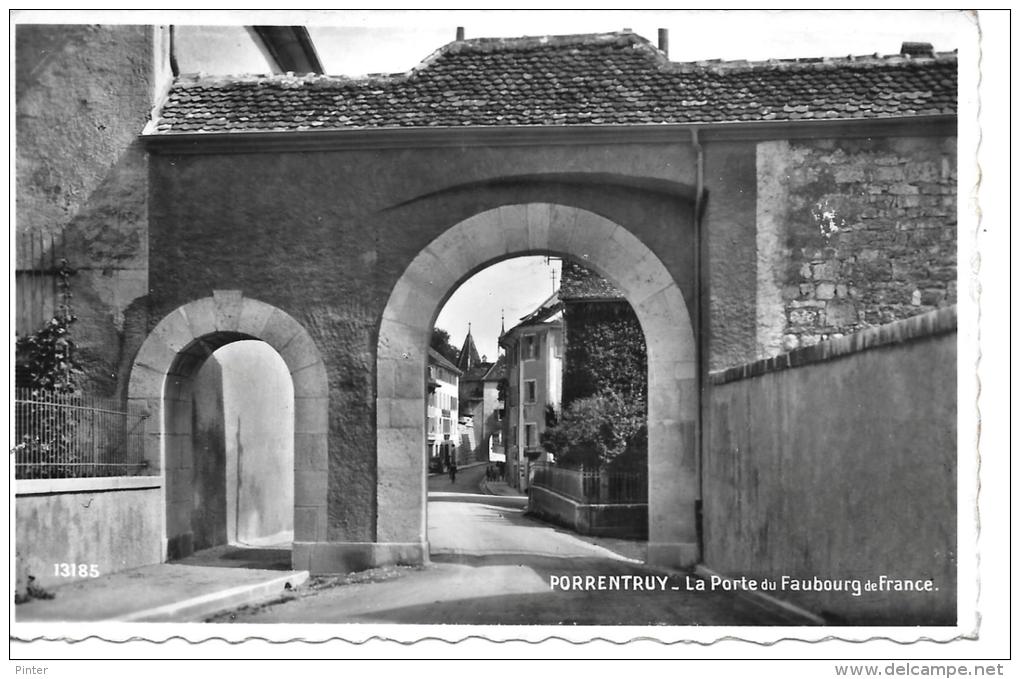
(850,60)
(582,79)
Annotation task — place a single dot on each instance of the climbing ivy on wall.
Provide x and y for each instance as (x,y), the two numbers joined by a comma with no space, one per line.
(605,386)
(605,351)
(46,358)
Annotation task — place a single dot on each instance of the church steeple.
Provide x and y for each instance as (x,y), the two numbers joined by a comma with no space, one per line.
(468,358)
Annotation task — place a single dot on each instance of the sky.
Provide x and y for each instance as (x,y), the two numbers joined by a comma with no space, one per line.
(357,42)
(514,287)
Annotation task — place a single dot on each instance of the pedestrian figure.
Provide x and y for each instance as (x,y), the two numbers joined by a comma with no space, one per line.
(453,472)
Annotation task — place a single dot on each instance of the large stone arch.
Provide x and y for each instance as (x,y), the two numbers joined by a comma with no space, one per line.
(613,252)
(180,344)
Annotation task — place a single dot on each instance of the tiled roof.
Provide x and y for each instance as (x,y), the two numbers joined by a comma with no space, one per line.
(439,359)
(579,283)
(611,78)
(468,357)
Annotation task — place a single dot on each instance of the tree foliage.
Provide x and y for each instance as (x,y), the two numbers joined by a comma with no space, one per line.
(441,343)
(604,431)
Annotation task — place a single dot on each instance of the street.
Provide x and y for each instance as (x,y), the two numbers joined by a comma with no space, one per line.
(493,565)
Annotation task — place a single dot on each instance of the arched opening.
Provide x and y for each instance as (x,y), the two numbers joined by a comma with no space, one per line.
(237,427)
(614,253)
(537,417)
(230,468)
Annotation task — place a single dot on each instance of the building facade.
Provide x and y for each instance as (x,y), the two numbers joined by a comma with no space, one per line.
(534,356)
(479,401)
(443,404)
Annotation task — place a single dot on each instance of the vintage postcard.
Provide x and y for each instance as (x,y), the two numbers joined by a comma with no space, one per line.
(626,334)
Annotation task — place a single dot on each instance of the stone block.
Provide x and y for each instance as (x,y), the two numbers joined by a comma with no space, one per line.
(840,314)
(409,378)
(825,290)
(306,520)
(174,330)
(932,296)
(253,318)
(311,415)
(823,271)
(407,412)
(398,340)
(512,221)
(300,352)
(411,303)
(228,309)
(279,330)
(432,270)
(401,509)
(539,220)
(590,235)
(401,452)
(311,452)
(310,488)
(310,381)
(667,326)
(146,382)
(201,316)
(156,354)
(562,222)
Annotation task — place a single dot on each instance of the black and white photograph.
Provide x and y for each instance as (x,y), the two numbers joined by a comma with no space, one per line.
(350,330)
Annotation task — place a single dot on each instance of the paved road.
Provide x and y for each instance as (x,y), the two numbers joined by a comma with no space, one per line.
(492,564)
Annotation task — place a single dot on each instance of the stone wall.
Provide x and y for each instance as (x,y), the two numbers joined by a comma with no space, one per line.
(84,93)
(115,524)
(852,233)
(326,235)
(838,461)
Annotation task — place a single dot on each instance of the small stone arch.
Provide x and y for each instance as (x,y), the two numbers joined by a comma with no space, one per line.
(175,349)
(609,249)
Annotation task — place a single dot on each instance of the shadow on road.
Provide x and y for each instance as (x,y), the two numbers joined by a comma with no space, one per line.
(479,499)
(235,556)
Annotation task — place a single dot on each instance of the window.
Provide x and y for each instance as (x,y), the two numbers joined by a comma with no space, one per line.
(531,435)
(530,391)
(530,347)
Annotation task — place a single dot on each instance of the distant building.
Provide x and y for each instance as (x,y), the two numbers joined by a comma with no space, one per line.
(443,402)
(534,354)
(480,407)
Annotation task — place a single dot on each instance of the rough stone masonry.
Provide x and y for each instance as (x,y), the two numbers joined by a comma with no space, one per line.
(852,233)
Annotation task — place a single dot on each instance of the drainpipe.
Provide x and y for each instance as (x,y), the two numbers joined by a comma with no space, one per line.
(699,321)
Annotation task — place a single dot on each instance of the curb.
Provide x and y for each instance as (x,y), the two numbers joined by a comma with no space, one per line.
(192,610)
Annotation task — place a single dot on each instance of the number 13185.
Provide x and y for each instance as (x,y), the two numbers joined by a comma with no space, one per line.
(79,570)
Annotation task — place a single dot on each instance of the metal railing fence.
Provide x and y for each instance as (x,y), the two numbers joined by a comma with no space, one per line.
(61,436)
(592,486)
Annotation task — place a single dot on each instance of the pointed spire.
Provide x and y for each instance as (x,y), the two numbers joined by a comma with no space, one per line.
(468,358)
(502,323)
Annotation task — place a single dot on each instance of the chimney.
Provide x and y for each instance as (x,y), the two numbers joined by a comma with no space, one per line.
(917,49)
(460,32)
(664,41)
